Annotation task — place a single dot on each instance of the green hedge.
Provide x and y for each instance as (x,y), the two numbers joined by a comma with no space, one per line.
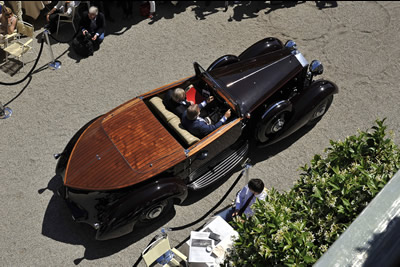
(295,228)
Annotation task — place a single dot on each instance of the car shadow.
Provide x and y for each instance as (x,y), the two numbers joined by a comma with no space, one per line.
(257,154)
(195,196)
(58,225)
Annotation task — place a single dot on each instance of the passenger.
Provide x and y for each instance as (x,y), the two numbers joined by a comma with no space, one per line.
(198,126)
(8,21)
(62,7)
(175,101)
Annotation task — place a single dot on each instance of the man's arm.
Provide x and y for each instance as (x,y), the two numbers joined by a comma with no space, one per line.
(205,128)
(51,12)
(101,24)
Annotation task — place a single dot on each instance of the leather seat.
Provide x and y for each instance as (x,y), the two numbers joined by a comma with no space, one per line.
(173,121)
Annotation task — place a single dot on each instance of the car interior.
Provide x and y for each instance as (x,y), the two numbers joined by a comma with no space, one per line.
(196,91)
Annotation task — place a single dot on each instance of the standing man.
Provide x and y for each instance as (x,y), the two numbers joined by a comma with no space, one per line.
(93,23)
(246,197)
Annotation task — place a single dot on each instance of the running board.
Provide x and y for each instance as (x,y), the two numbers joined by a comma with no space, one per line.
(221,169)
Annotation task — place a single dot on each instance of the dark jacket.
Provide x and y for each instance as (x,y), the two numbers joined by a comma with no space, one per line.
(100,22)
(171,105)
(198,127)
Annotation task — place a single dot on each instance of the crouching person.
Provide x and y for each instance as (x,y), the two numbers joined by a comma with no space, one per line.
(93,24)
(244,199)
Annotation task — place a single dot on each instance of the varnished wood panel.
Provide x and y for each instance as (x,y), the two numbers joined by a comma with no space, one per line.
(126,146)
(212,137)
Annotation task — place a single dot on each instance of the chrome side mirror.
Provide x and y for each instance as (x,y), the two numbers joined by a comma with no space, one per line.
(316,67)
(291,44)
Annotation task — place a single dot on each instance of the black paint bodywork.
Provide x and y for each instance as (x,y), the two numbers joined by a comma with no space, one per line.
(266,81)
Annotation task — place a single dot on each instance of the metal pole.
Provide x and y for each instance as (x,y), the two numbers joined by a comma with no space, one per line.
(54,64)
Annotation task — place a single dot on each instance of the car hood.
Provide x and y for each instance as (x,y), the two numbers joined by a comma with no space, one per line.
(122,148)
(250,82)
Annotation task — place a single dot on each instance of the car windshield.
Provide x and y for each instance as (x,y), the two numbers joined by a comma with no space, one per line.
(203,74)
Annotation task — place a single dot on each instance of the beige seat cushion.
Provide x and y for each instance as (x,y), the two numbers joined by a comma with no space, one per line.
(173,121)
(190,139)
(161,110)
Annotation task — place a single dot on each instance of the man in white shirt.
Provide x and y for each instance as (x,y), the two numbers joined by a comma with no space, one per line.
(246,197)
(62,7)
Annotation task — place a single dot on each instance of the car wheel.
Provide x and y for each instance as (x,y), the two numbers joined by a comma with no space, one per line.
(267,130)
(321,109)
(155,211)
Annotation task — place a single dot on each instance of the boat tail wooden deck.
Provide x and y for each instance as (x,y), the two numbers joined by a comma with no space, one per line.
(122,148)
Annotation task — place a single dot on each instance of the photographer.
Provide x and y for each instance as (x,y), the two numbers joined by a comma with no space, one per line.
(93,22)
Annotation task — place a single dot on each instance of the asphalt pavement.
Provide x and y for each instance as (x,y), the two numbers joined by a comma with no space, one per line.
(357,42)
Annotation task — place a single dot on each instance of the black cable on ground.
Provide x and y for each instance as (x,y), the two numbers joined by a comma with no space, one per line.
(30,72)
(213,208)
(23,89)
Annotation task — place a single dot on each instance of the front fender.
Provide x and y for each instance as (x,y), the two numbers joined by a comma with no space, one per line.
(124,213)
(309,99)
(304,105)
(319,90)
(262,47)
(223,61)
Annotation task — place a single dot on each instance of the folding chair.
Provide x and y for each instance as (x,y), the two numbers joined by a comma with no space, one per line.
(19,47)
(67,18)
(160,252)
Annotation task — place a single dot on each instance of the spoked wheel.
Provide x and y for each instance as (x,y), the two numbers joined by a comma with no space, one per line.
(155,211)
(267,130)
(320,110)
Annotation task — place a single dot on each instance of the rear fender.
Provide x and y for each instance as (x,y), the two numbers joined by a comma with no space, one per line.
(263,46)
(125,212)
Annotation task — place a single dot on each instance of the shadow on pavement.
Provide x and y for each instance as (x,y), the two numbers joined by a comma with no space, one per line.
(382,249)
(247,10)
(261,154)
(58,225)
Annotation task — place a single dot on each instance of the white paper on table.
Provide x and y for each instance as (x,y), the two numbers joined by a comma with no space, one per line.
(199,242)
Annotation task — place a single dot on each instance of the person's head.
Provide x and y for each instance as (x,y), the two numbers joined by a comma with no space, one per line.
(6,11)
(192,112)
(93,11)
(178,95)
(256,186)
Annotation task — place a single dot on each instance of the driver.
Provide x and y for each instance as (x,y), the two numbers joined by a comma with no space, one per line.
(198,126)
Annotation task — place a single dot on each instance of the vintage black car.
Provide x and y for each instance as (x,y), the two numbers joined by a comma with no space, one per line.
(131,165)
